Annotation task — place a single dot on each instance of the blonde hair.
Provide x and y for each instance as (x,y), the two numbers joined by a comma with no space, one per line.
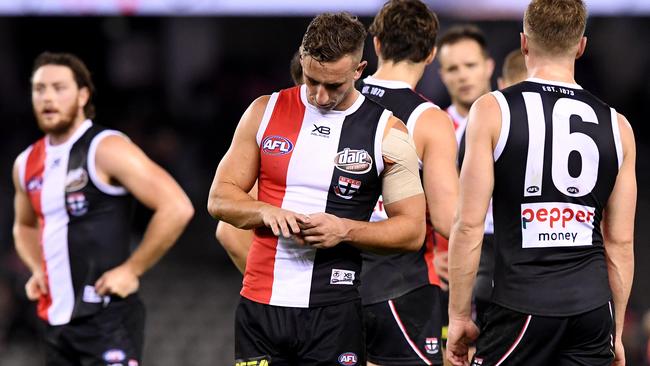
(555,26)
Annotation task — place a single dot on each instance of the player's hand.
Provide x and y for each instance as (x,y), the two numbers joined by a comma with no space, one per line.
(324,230)
(441,264)
(619,353)
(120,281)
(461,334)
(36,286)
(283,222)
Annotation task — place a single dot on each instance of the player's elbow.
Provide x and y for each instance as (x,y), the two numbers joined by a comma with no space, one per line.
(183,211)
(215,207)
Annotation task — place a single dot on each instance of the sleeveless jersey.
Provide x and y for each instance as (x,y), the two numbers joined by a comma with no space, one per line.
(460,124)
(556,163)
(389,276)
(84,223)
(313,161)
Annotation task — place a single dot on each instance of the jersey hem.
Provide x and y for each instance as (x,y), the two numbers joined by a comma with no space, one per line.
(531,311)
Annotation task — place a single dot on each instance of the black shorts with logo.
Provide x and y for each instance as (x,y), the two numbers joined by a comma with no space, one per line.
(405,330)
(509,337)
(284,336)
(113,336)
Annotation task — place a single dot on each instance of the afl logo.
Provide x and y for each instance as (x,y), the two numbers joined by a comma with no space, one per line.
(34,184)
(532,189)
(353,161)
(276,145)
(348,359)
(573,190)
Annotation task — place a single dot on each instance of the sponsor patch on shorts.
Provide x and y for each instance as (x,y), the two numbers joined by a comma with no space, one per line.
(254,361)
(556,224)
(342,277)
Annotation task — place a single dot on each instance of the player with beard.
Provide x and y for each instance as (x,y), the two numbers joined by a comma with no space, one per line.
(560,164)
(73,204)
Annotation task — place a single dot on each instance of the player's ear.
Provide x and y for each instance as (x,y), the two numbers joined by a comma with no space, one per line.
(83,97)
(581,47)
(359,71)
(524,43)
(432,55)
(377,43)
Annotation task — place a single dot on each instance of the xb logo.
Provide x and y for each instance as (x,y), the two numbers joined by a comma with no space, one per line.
(323,130)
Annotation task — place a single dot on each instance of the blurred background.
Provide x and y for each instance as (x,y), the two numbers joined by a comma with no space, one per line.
(176,76)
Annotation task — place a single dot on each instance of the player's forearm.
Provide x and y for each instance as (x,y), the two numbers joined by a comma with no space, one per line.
(166,225)
(236,242)
(229,203)
(27,245)
(396,234)
(620,267)
(464,255)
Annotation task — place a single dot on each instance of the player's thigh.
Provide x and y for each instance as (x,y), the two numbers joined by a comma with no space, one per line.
(406,330)
(334,335)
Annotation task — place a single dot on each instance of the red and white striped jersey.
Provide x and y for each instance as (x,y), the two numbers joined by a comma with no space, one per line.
(313,161)
(84,223)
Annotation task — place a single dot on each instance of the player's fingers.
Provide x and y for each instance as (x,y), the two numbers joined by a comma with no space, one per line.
(274,227)
(293,225)
(304,219)
(284,228)
(31,291)
(100,286)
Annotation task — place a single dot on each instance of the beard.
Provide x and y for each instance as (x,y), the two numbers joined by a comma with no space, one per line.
(63,125)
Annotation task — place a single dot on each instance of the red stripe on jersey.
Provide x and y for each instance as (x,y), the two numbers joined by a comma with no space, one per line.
(429,255)
(34,168)
(275,155)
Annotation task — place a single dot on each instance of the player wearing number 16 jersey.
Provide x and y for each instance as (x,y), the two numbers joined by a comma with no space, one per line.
(560,165)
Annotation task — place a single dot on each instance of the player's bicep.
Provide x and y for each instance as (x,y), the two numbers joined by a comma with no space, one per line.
(618,218)
(24,213)
(142,177)
(401,176)
(240,165)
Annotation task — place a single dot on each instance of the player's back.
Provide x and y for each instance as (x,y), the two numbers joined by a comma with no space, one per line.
(390,276)
(556,163)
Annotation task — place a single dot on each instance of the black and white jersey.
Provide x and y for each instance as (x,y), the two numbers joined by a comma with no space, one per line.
(84,222)
(386,277)
(556,162)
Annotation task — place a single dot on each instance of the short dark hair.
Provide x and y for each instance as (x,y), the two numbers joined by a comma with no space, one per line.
(329,37)
(555,25)
(79,71)
(458,33)
(407,30)
(295,68)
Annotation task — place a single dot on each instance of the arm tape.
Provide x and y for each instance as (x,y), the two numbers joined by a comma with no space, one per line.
(401,177)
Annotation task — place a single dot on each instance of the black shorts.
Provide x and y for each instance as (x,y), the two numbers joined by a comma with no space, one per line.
(405,330)
(512,338)
(283,336)
(113,336)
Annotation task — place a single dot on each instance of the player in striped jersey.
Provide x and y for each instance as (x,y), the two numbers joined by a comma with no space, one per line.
(560,165)
(73,203)
(322,154)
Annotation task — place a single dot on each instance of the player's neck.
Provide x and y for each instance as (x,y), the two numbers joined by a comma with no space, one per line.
(60,138)
(460,108)
(556,69)
(405,71)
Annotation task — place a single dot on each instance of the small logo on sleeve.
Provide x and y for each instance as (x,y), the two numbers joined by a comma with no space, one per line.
(342,277)
(431,345)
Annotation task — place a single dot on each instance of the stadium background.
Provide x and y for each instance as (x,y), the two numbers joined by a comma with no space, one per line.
(178,85)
